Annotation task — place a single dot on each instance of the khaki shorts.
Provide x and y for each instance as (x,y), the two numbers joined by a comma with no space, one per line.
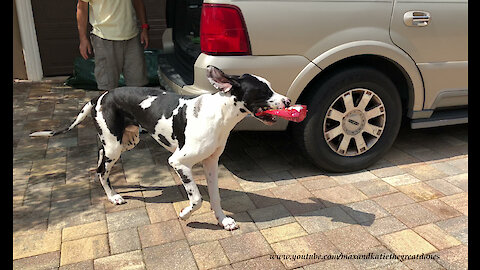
(115,57)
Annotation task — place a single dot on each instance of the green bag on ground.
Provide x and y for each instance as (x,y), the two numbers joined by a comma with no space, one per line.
(83,72)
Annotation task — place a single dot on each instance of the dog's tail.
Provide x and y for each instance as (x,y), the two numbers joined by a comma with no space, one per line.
(80,117)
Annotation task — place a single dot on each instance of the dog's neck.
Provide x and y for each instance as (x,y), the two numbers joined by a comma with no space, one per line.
(233,110)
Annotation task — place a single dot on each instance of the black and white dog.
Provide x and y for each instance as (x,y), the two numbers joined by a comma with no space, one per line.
(194,129)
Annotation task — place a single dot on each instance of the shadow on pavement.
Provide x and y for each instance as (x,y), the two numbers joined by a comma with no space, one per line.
(337,212)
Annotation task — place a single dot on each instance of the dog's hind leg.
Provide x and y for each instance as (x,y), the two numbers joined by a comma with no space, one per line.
(130,138)
(210,168)
(194,196)
(105,163)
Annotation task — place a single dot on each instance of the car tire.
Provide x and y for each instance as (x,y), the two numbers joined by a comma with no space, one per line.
(342,131)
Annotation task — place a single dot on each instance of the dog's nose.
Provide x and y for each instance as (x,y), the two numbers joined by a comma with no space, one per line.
(286,101)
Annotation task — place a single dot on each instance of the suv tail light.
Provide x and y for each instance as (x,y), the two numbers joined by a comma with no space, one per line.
(223,31)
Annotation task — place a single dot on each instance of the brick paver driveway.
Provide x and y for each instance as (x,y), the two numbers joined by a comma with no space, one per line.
(413,202)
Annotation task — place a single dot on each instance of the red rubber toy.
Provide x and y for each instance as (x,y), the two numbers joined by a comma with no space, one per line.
(295,113)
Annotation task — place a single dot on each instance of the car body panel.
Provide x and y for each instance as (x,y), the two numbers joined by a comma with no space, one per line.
(446,84)
(293,41)
(279,70)
(440,48)
(386,50)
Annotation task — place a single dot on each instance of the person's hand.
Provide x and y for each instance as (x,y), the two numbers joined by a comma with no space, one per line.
(85,48)
(144,38)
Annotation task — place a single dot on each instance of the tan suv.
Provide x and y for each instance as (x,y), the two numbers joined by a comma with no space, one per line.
(360,66)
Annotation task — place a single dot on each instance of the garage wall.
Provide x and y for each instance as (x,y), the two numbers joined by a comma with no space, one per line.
(19,70)
(57,34)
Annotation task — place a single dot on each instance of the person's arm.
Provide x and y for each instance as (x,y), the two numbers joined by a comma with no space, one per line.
(82,18)
(142,17)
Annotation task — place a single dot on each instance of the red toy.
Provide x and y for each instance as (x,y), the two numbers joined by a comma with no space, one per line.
(295,113)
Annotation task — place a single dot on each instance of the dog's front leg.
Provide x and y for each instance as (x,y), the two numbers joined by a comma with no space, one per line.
(210,167)
(194,196)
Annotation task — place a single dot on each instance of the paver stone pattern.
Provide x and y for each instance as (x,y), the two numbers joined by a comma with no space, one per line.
(407,211)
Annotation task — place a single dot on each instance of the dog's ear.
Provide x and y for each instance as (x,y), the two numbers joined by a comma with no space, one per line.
(218,79)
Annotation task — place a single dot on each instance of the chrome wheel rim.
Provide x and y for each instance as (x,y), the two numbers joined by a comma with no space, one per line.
(354,122)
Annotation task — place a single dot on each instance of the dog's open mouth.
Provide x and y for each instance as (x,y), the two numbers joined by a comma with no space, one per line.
(267,119)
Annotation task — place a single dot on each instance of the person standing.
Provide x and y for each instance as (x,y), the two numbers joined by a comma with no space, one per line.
(115,40)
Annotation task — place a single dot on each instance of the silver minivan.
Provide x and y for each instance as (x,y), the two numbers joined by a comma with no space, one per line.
(360,66)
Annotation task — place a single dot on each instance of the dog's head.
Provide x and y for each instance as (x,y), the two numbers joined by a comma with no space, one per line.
(255,92)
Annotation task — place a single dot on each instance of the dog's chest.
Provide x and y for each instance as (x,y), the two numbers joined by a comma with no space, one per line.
(205,119)
(218,111)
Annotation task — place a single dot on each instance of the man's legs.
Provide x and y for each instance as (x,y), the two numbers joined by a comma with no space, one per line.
(134,66)
(113,57)
(108,63)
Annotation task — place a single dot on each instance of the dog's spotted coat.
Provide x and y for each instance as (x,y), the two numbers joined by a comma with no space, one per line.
(194,129)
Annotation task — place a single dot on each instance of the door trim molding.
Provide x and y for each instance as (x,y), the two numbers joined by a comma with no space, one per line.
(31,52)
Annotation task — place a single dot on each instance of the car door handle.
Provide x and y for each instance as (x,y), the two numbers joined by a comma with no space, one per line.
(416,18)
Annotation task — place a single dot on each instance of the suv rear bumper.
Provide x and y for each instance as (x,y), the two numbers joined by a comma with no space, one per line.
(281,71)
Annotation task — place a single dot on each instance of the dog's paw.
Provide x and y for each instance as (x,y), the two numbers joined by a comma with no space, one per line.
(229,224)
(185,213)
(117,199)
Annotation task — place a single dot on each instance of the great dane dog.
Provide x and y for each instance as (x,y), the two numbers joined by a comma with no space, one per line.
(194,129)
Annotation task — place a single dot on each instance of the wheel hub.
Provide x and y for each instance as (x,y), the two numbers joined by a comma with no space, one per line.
(353,122)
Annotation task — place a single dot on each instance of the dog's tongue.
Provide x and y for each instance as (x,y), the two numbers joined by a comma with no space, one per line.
(294,113)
